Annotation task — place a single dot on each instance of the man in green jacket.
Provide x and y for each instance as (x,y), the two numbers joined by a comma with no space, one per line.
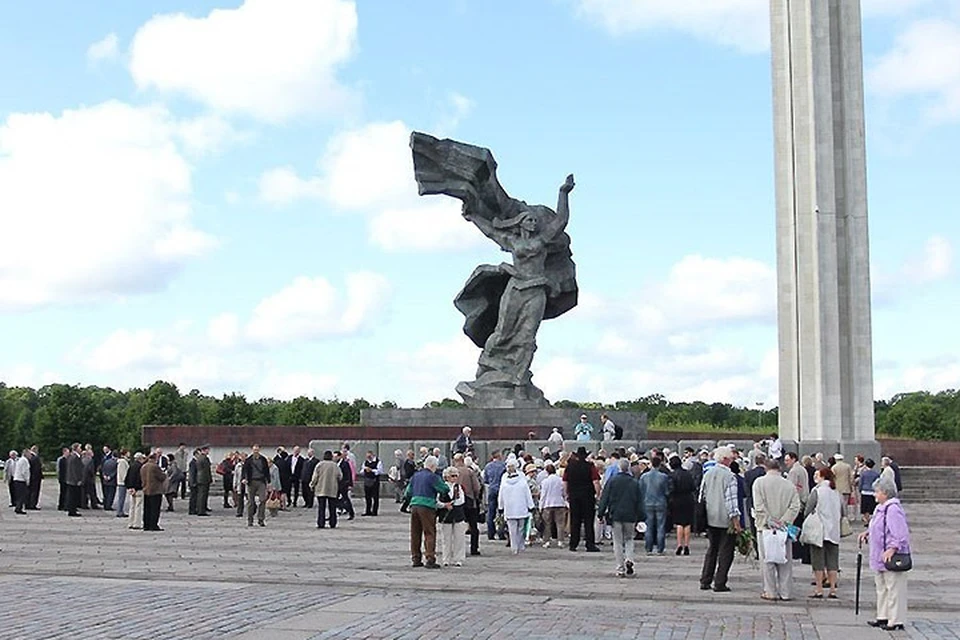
(620,502)
(426,492)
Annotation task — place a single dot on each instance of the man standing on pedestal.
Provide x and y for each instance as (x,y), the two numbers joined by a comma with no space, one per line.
(583,430)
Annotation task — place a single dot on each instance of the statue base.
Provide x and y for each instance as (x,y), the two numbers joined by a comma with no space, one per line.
(477,396)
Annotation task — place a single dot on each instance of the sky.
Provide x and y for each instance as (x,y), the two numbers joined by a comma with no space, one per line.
(220,193)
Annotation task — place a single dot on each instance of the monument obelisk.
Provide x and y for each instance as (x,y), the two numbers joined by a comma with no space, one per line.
(823,256)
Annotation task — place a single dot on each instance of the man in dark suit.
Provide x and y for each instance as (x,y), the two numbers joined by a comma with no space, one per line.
(295,463)
(153,479)
(62,479)
(282,460)
(192,468)
(36,476)
(74,477)
(204,480)
(346,482)
(108,478)
(306,475)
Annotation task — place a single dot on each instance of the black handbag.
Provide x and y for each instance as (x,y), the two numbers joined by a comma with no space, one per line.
(898,562)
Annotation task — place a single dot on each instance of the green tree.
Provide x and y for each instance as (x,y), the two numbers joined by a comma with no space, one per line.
(67,414)
(234,409)
(164,405)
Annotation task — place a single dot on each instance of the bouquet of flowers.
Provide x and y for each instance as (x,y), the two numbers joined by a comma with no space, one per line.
(744,541)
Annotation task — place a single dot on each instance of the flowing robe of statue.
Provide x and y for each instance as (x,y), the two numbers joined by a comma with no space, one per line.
(503,304)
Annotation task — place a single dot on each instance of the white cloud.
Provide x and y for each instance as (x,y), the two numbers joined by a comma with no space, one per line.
(369,167)
(269,59)
(932,263)
(125,349)
(104,50)
(435,226)
(206,134)
(743,24)
(370,171)
(290,385)
(432,370)
(223,330)
(282,186)
(95,202)
(925,61)
(457,108)
(312,308)
(702,291)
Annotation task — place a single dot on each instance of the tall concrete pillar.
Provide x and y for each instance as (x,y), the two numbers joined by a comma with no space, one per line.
(823,256)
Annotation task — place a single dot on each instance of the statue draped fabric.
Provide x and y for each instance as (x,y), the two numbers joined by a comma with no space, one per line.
(503,304)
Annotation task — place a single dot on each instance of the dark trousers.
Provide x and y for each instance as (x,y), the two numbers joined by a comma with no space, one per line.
(203,495)
(294,494)
(74,496)
(90,498)
(33,494)
(182,487)
(716,564)
(492,499)
(151,512)
(371,496)
(62,497)
(582,514)
(20,496)
(227,488)
(307,494)
(109,493)
(472,514)
(328,505)
(13,497)
(192,504)
(423,526)
(345,502)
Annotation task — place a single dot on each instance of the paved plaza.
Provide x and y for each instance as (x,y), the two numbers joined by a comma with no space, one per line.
(92,577)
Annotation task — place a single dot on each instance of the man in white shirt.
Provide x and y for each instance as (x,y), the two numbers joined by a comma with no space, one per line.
(556,440)
(775,449)
(609,429)
(21,476)
(8,466)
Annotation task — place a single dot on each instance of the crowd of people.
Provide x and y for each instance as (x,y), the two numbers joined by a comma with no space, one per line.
(775,505)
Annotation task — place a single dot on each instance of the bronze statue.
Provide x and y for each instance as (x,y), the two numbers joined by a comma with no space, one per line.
(503,304)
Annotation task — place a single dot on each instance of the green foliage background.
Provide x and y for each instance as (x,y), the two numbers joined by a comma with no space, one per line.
(59,414)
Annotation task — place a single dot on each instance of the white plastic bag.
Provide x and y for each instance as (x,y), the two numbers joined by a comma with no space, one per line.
(774,546)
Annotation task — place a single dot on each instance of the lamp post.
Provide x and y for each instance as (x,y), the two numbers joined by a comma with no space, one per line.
(760,415)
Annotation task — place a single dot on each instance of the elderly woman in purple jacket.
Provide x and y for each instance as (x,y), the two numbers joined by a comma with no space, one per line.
(888,534)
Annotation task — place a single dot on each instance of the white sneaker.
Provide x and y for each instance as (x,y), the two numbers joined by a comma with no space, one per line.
(546,545)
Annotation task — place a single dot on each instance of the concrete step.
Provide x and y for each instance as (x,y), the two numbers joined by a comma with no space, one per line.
(930,484)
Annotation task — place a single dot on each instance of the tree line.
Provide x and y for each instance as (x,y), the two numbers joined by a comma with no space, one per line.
(58,414)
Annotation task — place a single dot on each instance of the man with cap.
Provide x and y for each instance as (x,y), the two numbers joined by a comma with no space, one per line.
(555,440)
(427,491)
(583,430)
(581,485)
(843,477)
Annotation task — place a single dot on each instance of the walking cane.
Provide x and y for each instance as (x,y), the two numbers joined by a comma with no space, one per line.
(856,608)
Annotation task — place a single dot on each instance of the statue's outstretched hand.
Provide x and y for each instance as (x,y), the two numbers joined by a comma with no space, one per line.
(568,184)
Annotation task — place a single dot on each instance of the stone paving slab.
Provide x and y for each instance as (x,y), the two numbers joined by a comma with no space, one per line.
(92,577)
